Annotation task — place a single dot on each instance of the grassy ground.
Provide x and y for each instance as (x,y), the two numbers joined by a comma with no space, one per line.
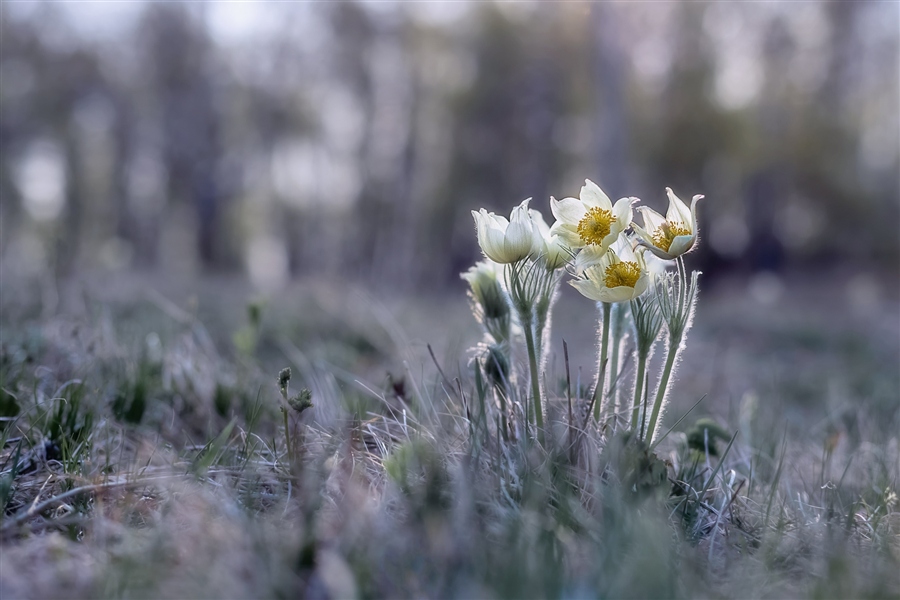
(144,451)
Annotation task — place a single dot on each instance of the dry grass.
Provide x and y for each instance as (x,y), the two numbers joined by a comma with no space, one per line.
(394,491)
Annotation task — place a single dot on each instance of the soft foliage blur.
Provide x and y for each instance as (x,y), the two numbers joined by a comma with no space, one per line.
(352,139)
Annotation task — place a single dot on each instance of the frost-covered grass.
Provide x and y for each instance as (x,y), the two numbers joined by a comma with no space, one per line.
(144,453)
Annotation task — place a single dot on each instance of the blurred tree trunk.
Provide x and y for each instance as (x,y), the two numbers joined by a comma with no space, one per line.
(126,222)
(356,33)
(70,233)
(610,121)
(11,207)
(540,105)
(179,51)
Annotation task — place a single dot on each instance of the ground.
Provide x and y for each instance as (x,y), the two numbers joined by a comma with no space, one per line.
(144,452)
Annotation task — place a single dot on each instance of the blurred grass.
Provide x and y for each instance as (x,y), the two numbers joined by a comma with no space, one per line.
(158,413)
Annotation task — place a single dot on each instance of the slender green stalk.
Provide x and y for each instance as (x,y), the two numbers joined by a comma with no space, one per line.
(676,304)
(601,374)
(616,334)
(646,391)
(287,438)
(535,381)
(663,386)
(638,390)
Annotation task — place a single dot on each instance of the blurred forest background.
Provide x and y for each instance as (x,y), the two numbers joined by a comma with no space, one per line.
(351,139)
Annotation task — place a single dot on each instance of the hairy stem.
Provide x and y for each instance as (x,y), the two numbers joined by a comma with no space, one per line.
(287,438)
(638,389)
(601,374)
(535,379)
(616,333)
(663,386)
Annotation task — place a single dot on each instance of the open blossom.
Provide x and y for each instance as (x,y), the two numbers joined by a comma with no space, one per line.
(553,251)
(618,275)
(670,236)
(591,219)
(505,241)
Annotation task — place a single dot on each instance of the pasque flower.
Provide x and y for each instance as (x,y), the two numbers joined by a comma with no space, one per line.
(591,219)
(554,252)
(506,242)
(619,275)
(670,236)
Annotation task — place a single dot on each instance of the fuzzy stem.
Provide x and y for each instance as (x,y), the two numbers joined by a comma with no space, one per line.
(601,375)
(287,439)
(616,333)
(644,410)
(663,386)
(535,382)
(638,388)
(676,334)
(683,288)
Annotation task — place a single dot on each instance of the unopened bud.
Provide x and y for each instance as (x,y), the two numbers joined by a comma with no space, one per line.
(496,365)
(487,290)
(284,378)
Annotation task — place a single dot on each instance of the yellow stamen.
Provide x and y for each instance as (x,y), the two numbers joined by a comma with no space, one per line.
(595,225)
(622,273)
(666,234)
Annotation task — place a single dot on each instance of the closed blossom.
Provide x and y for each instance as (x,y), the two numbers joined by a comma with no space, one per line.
(503,241)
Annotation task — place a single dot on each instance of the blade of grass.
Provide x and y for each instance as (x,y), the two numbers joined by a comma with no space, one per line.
(777,478)
(718,466)
(210,452)
(677,423)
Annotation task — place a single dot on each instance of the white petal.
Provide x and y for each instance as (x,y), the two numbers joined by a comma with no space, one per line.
(519,239)
(539,221)
(589,257)
(568,210)
(681,244)
(493,245)
(557,253)
(520,213)
(623,250)
(659,252)
(495,221)
(567,234)
(622,293)
(694,212)
(478,220)
(643,236)
(622,211)
(480,226)
(678,211)
(652,219)
(611,237)
(641,285)
(587,289)
(593,196)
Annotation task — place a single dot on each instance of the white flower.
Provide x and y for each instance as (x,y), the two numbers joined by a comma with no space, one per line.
(505,241)
(590,220)
(553,250)
(671,236)
(619,275)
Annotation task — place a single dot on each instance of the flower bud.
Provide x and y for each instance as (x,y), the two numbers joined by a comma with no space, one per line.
(284,378)
(486,289)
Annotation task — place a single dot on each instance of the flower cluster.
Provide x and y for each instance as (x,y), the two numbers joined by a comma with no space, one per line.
(608,248)
(597,242)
